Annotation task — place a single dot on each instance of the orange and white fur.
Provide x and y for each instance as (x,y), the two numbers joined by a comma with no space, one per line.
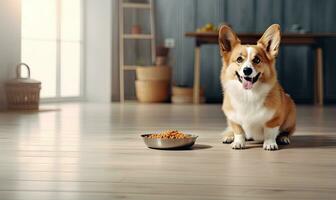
(255,104)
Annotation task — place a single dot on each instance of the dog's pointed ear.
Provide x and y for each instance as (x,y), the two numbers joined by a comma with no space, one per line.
(227,39)
(270,40)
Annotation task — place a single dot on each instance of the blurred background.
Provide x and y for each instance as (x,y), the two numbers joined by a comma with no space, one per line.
(111,50)
(295,63)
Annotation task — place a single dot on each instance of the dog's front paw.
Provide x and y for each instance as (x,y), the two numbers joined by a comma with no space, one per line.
(238,145)
(228,136)
(239,142)
(228,139)
(270,145)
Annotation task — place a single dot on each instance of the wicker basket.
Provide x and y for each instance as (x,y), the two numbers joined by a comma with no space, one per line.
(154,73)
(152,91)
(23,93)
(185,95)
(185,91)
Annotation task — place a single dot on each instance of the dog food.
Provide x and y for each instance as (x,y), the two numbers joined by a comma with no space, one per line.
(170,134)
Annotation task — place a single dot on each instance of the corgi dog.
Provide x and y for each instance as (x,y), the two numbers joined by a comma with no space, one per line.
(255,105)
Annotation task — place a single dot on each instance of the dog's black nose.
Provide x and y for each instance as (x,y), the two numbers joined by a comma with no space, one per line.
(247,71)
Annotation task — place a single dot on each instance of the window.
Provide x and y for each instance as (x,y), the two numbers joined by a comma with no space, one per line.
(51,45)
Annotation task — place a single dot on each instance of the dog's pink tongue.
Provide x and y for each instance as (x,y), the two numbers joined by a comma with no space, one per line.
(247,84)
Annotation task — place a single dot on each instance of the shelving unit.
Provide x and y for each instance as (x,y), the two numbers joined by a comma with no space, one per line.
(138,36)
(124,36)
(136,5)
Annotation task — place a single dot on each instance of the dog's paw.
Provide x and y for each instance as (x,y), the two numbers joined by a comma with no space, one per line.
(283,140)
(228,139)
(228,136)
(239,142)
(270,145)
(238,145)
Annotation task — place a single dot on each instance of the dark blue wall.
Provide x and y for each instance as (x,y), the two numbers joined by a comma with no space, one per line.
(295,64)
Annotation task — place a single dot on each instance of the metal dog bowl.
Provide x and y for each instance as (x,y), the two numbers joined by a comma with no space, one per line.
(159,143)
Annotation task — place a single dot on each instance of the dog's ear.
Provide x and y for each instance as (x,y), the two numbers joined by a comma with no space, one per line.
(227,39)
(270,41)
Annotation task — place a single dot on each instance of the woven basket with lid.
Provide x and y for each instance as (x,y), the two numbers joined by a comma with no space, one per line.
(23,93)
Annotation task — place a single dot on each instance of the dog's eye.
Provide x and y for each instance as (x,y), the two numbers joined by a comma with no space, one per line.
(256,60)
(240,59)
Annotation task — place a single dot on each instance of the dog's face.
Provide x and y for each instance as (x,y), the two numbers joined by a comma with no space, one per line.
(249,64)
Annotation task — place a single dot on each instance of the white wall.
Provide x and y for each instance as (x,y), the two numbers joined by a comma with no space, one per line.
(10,42)
(98,47)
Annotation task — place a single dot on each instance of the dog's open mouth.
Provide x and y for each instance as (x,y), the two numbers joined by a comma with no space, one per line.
(247,82)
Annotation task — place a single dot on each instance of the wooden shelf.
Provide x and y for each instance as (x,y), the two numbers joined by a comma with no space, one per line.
(136,5)
(130,67)
(125,6)
(138,36)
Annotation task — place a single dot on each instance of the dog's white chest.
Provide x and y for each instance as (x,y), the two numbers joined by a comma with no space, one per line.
(248,105)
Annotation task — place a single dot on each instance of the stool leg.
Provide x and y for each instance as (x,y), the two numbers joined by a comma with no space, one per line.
(197,69)
(319,77)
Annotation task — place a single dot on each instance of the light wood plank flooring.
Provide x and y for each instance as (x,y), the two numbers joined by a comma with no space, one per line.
(93,151)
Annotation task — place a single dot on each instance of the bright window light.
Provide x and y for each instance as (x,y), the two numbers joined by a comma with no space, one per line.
(51,45)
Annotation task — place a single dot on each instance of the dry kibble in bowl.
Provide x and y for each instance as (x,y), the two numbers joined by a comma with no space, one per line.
(171,134)
(169,139)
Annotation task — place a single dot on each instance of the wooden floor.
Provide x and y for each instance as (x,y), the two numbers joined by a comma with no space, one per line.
(94,151)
